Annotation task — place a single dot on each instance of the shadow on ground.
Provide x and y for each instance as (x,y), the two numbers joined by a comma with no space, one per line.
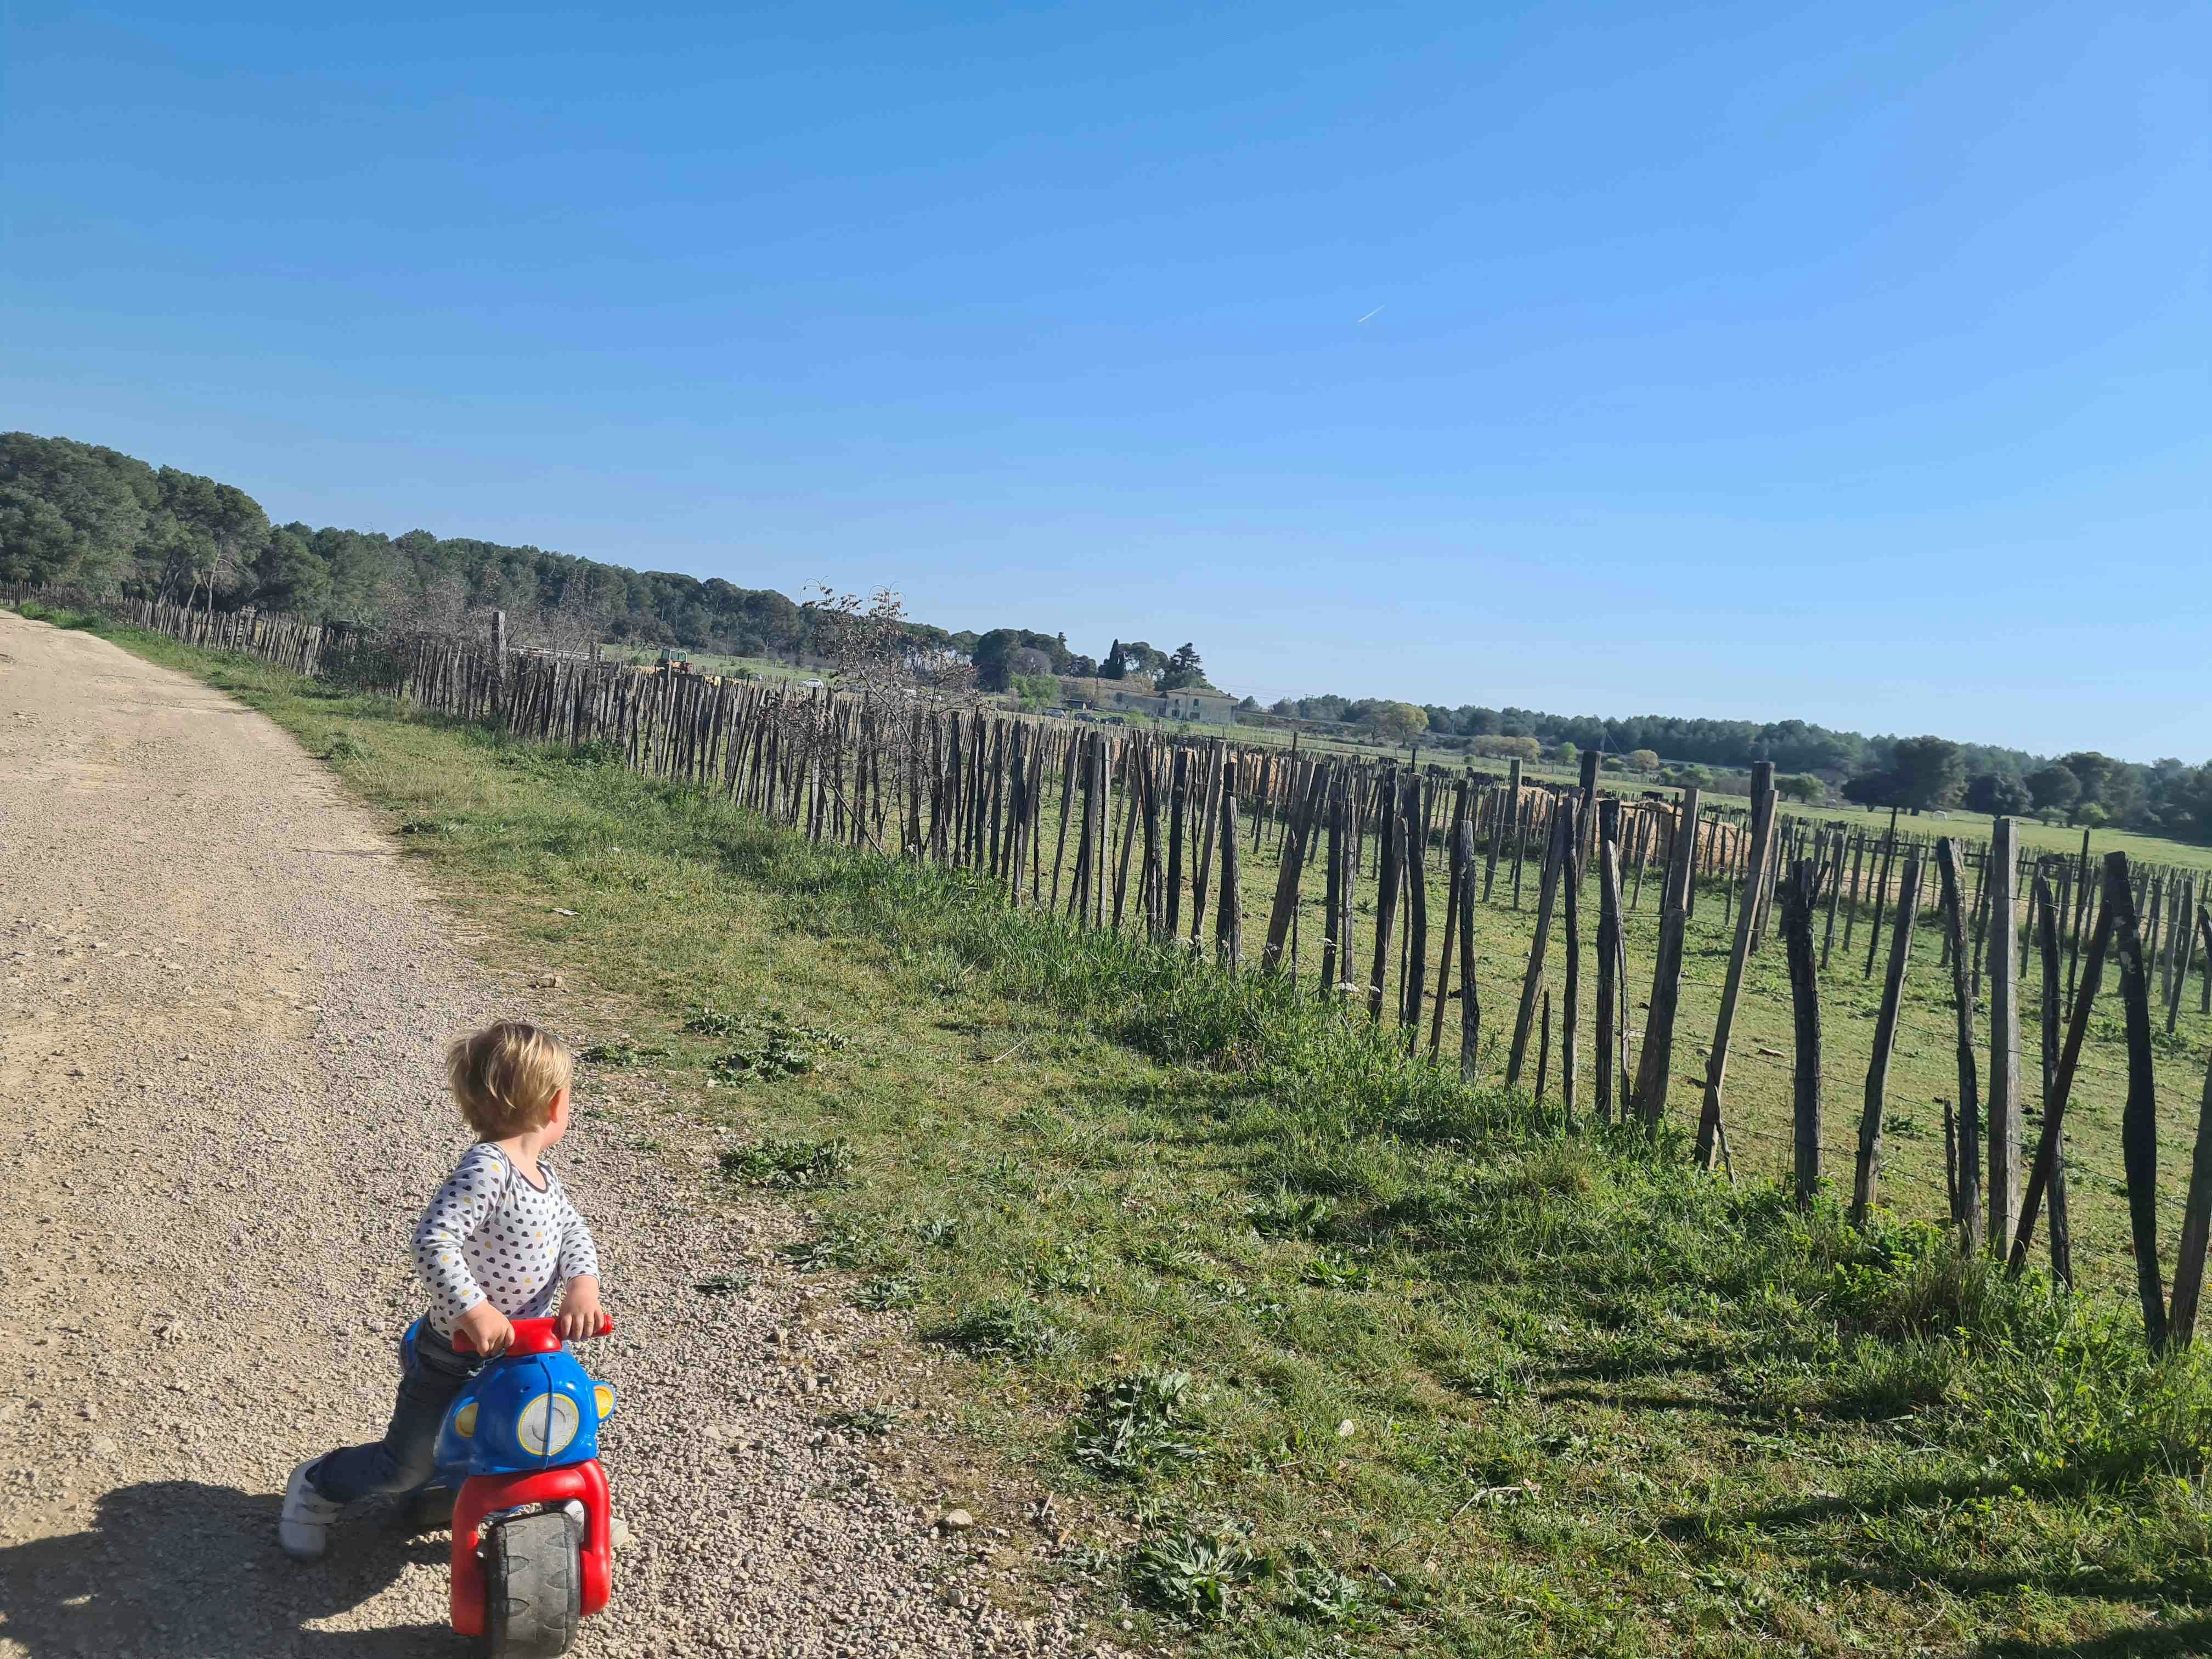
(176,1570)
(2181,1641)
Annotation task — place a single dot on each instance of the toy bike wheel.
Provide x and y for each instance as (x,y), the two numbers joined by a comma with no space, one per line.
(532,1587)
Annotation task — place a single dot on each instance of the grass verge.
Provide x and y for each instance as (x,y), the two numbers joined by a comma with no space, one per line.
(1361,1361)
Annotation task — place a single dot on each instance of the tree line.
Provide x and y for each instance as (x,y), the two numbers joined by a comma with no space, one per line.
(82,513)
(2168,798)
(94,517)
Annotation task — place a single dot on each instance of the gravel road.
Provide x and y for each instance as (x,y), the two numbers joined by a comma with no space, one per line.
(223,997)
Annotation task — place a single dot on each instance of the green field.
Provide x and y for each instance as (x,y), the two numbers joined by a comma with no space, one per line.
(1457,1385)
(1758,1097)
(2042,837)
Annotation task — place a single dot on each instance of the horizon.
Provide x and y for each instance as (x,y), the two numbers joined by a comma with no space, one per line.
(1719,365)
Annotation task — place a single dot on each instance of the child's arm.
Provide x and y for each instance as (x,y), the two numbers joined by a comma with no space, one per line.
(579,1272)
(469,1196)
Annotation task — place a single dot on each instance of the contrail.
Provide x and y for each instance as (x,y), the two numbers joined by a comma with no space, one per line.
(1377,312)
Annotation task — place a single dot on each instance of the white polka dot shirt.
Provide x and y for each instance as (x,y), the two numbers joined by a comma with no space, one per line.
(490,1236)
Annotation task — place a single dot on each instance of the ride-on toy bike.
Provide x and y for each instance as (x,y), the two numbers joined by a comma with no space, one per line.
(532,1550)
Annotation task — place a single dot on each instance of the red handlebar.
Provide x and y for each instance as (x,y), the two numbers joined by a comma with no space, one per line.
(531,1336)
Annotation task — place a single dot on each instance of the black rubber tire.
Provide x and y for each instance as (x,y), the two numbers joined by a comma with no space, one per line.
(533,1587)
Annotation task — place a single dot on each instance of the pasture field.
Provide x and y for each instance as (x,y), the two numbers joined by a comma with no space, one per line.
(1758,1099)
(1456,1384)
(2059,839)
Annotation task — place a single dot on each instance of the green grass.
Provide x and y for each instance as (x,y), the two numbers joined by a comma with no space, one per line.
(2037,836)
(1455,1385)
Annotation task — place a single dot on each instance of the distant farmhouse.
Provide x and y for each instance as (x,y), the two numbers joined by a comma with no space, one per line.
(1199,707)
(1136,696)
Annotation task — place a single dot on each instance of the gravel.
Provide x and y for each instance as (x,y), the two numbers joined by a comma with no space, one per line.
(223,1002)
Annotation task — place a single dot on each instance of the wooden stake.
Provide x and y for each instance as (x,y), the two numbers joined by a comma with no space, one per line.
(2004,1031)
(1762,831)
(1966,1210)
(1885,1040)
(1608,951)
(1413,975)
(2195,1228)
(1556,856)
(1454,875)
(1655,1060)
(2139,1119)
(2049,1147)
(1390,861)
(2046,927)
(1799,895)
(1228,919)
(1470,1000)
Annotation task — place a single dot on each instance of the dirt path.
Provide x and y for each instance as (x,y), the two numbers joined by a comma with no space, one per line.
(222,999)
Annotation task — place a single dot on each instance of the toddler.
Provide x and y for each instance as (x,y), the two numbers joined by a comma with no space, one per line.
(498,1241)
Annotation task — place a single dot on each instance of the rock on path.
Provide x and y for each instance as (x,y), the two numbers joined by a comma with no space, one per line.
(222,1002)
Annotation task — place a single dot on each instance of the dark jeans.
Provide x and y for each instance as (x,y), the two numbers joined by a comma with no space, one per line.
(407,1456)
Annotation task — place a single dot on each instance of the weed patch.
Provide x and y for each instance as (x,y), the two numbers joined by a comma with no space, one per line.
(1194,1568)
(788,1165)
(1014,1328)
(613,1054)
(1137,1423)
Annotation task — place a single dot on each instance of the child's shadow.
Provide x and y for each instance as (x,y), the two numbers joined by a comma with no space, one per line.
(175,1569)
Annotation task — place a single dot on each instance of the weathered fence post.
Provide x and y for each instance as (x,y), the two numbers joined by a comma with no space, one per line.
(1544,1049)
(1967,1205)
(2046,928)
(2004,1031)
(1229,920)
(2050,1145)
(1586,815)
(1305,810)
(1885,1041)
(2182,952)
(1710,1129)
(1389,876)
(1454,875)
(1558,851)
(1799,895)
(1470,1000)
(1202,872)
(1656,1060)
(1609,949)
(1570,1006)
(2195,1228)
(2139,1119)
(1414,976)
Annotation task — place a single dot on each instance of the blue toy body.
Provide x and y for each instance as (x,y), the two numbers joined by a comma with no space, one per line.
(521,1413)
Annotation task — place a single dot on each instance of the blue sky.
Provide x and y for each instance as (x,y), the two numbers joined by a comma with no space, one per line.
(1755,360)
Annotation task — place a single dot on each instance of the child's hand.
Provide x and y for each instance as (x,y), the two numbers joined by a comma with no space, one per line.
(580,1314)
(488,1330)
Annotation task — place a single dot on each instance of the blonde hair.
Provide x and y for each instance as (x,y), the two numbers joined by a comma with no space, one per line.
(505,1076)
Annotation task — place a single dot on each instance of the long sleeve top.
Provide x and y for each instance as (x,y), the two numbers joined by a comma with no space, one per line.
(490,1235)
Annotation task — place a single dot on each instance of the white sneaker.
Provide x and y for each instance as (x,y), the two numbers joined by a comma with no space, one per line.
(304,1526)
